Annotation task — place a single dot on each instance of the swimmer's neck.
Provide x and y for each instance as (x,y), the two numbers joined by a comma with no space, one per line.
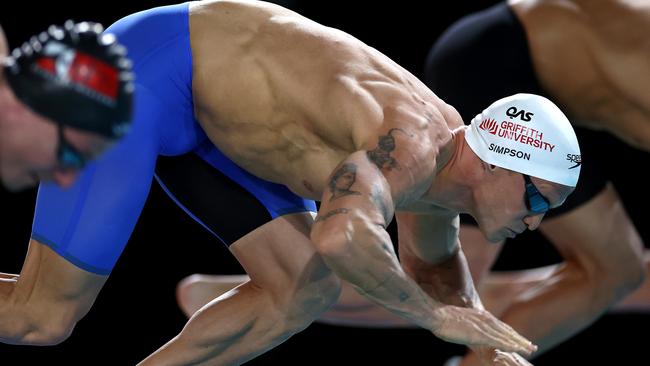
(454,185)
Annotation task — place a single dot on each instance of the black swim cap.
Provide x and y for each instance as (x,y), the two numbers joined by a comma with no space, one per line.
(76,76)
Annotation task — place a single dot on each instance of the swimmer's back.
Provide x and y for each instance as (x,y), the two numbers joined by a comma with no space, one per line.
(287,98)
(600,57)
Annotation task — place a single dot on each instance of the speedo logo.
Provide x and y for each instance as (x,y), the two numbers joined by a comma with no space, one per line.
(577,159)
(513,112)
(510,152)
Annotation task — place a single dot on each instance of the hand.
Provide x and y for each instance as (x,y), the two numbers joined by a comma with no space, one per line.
(490,356)
(477,327)
(510,359)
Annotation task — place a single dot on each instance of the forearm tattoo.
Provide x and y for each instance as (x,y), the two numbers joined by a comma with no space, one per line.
(342,180)
(380,156)
(337,211)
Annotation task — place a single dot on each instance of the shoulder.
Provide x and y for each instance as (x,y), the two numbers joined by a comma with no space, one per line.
(553,17)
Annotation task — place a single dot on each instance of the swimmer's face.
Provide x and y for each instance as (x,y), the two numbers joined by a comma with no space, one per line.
(34,149)
(503,211)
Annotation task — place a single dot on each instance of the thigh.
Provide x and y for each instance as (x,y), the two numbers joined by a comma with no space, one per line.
(224,198)
(265,226)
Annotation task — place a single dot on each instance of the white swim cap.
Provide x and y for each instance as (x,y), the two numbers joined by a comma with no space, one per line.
(527,133)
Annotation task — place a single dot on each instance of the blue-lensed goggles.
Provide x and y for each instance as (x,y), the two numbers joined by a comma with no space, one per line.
(535,202)
(69,157)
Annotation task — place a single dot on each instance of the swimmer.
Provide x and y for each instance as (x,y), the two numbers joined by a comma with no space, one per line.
(272,128)
(65,97)
(602,250)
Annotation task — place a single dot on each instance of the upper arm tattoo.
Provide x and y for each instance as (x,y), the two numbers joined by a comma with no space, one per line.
(380,156)
(342,180)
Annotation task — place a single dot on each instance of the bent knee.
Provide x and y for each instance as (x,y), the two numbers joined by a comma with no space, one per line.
(49,335)
(325,293)
(313,299)
(316,297)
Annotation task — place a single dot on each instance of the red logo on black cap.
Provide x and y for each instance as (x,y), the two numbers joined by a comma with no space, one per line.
(81,69)
(94,74)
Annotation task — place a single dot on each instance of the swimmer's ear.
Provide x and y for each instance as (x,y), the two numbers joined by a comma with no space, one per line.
(489,167)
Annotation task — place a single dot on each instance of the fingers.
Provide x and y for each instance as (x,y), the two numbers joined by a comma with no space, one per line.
(494,333)
(480,328)
(509,359)
(511,340)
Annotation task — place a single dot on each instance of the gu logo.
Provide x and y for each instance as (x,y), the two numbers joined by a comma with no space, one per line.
(513,112)
(83,70)
(58,60)
(490,125)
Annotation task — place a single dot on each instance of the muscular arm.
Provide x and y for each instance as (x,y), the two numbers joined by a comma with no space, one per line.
(43,304)
(440,270)
(353,309)
(350,235)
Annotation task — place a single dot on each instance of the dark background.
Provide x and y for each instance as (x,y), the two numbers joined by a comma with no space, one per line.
(136,311)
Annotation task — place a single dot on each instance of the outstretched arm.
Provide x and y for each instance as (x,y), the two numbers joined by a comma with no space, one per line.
(430,253)
(353,309)
(442,270)
(350,234)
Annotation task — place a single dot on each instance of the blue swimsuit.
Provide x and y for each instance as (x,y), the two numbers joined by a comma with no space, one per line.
(90,222)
